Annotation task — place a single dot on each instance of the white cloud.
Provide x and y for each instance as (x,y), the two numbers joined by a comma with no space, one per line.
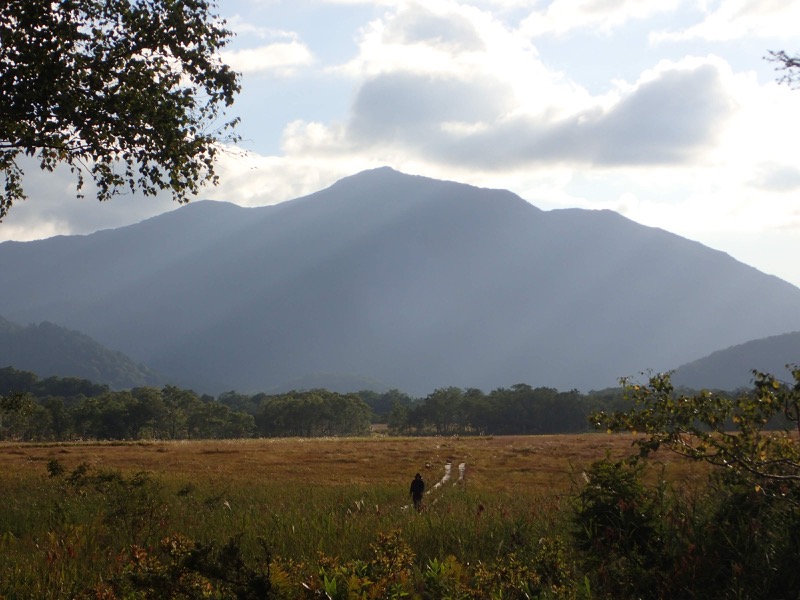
(370,2)
(281,58)
(26,230)
(246,28)
(747,181)
(439,36)
(53,207)
(737,19)
(604,16)
(670,116)
(777,177)
(254,180)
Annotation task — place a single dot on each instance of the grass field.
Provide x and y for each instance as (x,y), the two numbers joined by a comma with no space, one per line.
(307,498)
(493,463)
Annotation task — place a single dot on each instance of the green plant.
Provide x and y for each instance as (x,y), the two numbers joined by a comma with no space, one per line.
(134,507)
(736,538)
(180,568)
(616,527)
(752,435)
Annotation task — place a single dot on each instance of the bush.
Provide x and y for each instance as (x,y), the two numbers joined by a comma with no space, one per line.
(617,529)
(741,537)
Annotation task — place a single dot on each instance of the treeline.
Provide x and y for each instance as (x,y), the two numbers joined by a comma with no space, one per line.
(68,409)
(58,409)
(520,409)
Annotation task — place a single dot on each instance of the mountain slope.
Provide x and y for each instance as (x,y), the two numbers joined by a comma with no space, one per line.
(412,282)
(49,350)
(733,367)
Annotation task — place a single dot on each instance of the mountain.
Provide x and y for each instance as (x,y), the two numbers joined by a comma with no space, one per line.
(732,368)
(411,282)
(49,350)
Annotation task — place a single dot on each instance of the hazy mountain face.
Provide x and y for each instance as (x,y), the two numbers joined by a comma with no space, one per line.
(412,282)
(49,350)
(733,367)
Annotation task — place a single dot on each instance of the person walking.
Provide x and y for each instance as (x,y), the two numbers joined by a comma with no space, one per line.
(417,490)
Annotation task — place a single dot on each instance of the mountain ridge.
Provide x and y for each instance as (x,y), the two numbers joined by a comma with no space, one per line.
(49,350)
(732,368)
(410,281)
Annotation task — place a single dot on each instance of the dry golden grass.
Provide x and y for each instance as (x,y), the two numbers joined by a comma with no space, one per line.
(500,463)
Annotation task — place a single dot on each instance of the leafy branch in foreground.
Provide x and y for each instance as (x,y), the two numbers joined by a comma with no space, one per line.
(754,435)
(130,93)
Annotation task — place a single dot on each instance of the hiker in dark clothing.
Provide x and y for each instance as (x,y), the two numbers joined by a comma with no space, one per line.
(417,489)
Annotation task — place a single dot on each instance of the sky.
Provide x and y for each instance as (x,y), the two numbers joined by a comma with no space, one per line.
(665,111)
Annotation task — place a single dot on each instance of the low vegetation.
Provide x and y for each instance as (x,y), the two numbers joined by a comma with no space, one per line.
(688,496)
(318,516)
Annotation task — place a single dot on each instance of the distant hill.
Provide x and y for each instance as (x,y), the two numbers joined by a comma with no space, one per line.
(733,367)
(408,281)
(49,350)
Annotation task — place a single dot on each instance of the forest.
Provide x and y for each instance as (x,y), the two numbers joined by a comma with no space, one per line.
(65,409)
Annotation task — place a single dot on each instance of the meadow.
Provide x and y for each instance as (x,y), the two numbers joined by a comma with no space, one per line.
(301,518)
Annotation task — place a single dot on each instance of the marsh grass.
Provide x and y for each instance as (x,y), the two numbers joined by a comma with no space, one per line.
(74,514)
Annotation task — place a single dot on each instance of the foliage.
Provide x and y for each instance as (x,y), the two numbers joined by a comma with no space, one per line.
(382,403)
(393,571)
(21,417)
(180,568)
(736,538)
(134,507)
(14,380)
(69,408)
(129,92)
(520,409)
(617,528)
(753,435)
(313,413)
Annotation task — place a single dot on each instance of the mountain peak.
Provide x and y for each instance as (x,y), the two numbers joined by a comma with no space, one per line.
(410,281)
